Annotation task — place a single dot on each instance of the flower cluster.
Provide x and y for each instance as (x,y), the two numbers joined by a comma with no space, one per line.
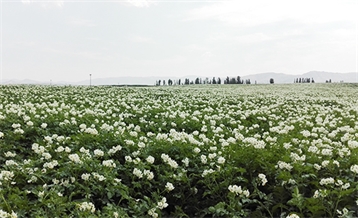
(238,190)
(169,161)
(8,215)
(262,178)
(169,186)
(87,206)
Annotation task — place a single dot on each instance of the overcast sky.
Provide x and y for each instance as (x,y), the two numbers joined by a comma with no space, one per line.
(68,40)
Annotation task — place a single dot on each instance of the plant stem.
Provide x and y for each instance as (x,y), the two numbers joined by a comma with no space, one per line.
(7,205)
(336,206)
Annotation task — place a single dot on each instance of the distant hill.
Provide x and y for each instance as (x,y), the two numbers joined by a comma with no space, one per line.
(321,76)
(262,78)
(25,81)
(318,76)
(265,78)
(133,80)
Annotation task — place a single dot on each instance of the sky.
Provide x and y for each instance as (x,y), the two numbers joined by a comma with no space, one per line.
(67,40)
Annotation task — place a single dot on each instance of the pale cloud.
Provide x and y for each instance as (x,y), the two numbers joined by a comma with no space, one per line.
(140,39)
(25,43)
(93,55)
(194,47)
(59,4)
(257,12)
(167,62)
(218,38)
(93,38)
(80,54)
(140,3)
(207,54)
(26,2)
(279,22)
(46,4)
(82,22)
(256,37)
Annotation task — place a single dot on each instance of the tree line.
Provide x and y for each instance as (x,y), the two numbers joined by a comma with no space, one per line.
(303,80)
(227,80)
(207,80)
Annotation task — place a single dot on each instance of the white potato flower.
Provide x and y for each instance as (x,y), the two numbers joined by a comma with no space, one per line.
(246,193)
(196,150)
(317,166)
(212,155)
(114,149)
(203,159)
(346,185)
(6,175)
(343,213)
(51,164)
(10,163)
(173,163)
(149,174)
(109,163)
(59,149)
(351,144)
(185,161)
(292,215)
(206,172)
(8,215)
(87,206)
(262,178)
(162,204)
(325,163)
(327,181)
(9,154)
(85,151)
(46,155)
(306,133)
(150,159)
(16,125)
(19,131)
(85,176)
(221,160)
(138,173)
(75,158)
(169,186)
(354,168)
(284,165)
(141,145)
(152,213)
(91,131)
(98,177)
(235,189)
(165,157)
(98,153)
(128,159)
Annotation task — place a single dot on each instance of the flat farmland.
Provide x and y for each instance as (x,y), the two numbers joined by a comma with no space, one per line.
(179,151)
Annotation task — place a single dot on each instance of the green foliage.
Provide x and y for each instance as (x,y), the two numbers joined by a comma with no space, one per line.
(251,151)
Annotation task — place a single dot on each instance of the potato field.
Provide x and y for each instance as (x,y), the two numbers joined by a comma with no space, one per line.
(179,151)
